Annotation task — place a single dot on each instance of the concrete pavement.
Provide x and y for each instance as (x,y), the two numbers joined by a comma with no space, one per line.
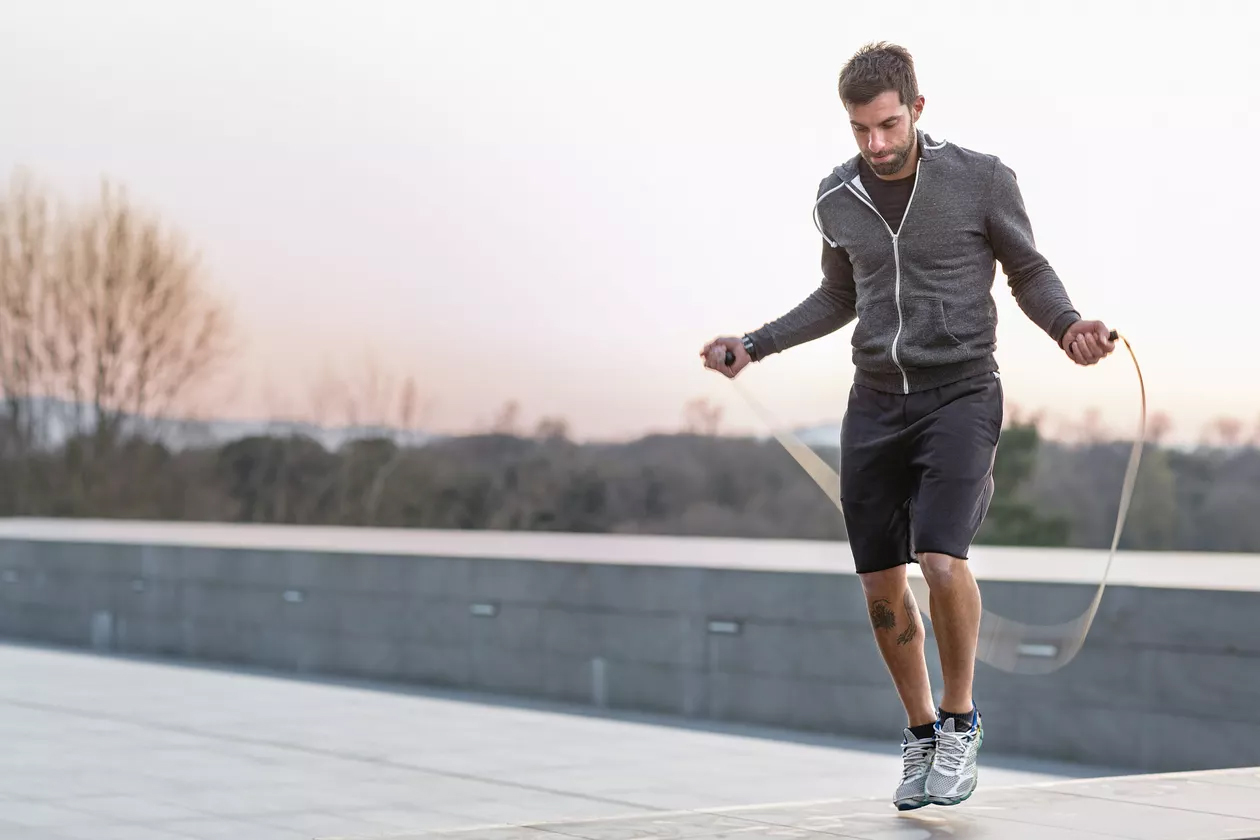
(110,748)
(1203,805)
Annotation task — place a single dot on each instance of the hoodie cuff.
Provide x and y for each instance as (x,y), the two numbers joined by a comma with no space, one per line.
(1060,325)
(763,343)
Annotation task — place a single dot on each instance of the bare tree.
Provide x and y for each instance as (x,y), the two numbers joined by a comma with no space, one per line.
(552,428)
(142,327)
(1017,415)
(376,415)
(1159,427)
(104,316)
(1224,431)
(702,418)
(28,293)
(25,254)
(507,421)
(407,408)
(1092,430)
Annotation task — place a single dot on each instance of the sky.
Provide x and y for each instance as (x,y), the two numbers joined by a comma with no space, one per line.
(559,203)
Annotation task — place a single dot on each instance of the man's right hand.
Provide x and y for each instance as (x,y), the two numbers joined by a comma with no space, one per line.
(714,355)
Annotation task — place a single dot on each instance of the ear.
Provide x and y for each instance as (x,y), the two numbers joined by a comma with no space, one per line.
(916,107)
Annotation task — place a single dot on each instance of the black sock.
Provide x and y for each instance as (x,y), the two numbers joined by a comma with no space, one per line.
(924,730)
(963,721)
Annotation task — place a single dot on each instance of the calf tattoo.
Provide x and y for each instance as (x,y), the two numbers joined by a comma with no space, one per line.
(882,616)
(912,627)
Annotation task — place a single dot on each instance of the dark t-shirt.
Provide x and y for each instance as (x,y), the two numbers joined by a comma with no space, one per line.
(889,197)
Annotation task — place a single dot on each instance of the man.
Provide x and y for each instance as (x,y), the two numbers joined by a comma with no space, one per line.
(912,231)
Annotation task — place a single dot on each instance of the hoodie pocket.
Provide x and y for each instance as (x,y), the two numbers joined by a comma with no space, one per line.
(873,336)
(926,339)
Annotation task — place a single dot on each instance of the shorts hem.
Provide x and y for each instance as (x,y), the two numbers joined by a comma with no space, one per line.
(956,556)
(870,569)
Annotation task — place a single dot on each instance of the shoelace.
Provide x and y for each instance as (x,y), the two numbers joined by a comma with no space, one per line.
(951,750)
(918,755)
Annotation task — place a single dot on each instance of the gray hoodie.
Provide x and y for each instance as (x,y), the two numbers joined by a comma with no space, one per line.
(922,295)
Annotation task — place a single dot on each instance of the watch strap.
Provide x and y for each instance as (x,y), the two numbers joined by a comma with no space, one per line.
(750,347)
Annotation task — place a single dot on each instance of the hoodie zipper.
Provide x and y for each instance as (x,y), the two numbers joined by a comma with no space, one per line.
(896,243)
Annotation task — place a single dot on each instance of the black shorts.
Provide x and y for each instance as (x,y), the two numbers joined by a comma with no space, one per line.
(916,470)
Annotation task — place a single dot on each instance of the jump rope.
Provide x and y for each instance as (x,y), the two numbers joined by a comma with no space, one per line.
(1004,643)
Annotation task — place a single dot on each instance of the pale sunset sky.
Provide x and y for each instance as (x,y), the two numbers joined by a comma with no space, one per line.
(560,202)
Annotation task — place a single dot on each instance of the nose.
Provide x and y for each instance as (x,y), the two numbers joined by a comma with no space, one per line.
(877,143)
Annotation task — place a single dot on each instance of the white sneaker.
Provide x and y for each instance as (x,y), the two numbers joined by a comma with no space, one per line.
(954,769)
(916,761)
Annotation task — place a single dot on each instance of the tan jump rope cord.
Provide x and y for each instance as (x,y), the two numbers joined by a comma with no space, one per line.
(1004,643)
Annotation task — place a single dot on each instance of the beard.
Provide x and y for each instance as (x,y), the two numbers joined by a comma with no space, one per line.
(899,157)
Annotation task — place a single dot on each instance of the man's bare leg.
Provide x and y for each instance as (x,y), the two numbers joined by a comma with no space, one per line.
(955,609)
(894,617)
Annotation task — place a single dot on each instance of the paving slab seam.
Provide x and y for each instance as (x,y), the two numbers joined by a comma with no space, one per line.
(550,826)
(1223,772)
(1146,803)
(733,812)
(324,753)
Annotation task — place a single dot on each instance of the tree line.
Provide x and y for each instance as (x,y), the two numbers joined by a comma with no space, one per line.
(107,325)
(1049,493)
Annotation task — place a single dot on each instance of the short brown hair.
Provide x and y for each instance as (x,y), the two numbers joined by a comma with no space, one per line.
(875,69)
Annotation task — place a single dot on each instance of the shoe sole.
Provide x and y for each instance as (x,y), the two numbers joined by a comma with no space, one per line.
(912,806)
(956,800)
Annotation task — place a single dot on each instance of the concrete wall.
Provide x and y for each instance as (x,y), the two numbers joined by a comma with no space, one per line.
(1168,679)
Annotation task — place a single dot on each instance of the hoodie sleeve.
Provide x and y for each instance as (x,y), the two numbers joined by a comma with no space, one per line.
(828,308)
(1033,281)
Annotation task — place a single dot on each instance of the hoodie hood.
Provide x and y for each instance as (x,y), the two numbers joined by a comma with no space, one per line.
(928,149)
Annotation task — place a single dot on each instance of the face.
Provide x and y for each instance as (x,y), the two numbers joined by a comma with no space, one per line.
(885,132)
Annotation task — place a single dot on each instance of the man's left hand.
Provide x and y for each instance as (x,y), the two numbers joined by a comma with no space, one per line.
(1087,342)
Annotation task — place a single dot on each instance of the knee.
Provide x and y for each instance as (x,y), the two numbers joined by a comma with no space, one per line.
(884,585)
(941,569)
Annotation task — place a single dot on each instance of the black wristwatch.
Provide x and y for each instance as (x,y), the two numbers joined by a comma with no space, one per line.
(750,347)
